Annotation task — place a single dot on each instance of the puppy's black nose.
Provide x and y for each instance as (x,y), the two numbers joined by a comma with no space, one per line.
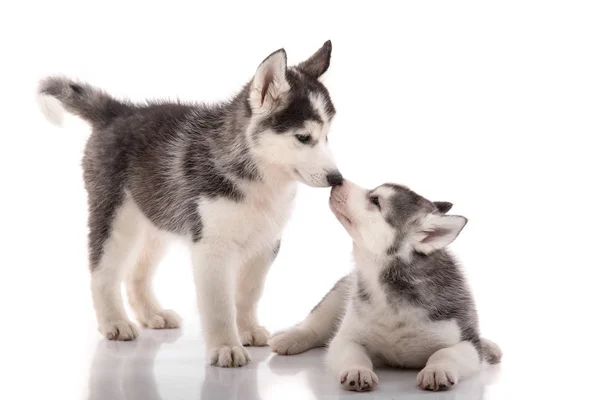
(335,178)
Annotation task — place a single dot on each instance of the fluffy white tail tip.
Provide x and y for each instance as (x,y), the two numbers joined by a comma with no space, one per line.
(52,108)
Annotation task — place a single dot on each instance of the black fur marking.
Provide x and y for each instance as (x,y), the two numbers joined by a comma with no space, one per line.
(362,293)
(168,155)
(401,206)
(76,88)
(100,218)
(276,248)
(195,222)
(85,101)
(294,115)
(443,206)
(162,154)
(300,82)
(318,63)
(435,283)
(247,109)
(298,108)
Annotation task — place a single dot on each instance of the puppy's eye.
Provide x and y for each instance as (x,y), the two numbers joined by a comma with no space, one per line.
(375,201)
(303,138)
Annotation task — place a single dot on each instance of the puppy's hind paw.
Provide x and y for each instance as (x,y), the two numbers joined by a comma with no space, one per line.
(254,336)
(162,319)
(292,341)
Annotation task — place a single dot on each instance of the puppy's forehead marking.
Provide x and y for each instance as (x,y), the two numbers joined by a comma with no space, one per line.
(294,115)
(396,187)
(384,191)
(403,204)
(318,103)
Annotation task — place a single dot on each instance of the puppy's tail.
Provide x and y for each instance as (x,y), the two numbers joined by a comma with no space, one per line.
(57,94)
(491,351)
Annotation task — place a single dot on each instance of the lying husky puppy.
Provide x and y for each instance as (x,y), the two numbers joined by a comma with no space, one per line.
(223,177)
(406,304)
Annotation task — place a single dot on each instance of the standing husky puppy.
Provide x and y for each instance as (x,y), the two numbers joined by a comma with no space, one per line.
(221,176)
(406,304)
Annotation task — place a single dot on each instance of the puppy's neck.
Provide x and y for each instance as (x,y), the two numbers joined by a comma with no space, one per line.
(371,266)
(367,257)
(368,263)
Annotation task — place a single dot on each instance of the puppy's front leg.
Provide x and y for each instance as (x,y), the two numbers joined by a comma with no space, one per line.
(446,366)
(250,282)
(215,263)
(351,363)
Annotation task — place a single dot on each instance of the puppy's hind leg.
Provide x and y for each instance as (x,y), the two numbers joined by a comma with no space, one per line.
(446,366)
(318,327)
(147,309)
(113,245)
(491,351)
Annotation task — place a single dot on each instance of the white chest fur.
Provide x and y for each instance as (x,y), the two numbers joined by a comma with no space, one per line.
(405,338)
(253,224)
(399,336)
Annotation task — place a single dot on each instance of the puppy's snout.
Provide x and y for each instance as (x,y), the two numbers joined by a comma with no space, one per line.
(335,178)
(338,194)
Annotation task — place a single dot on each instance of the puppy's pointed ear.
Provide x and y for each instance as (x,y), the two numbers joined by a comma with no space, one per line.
(437,232)
(269,84)
(443,206)
(318,63)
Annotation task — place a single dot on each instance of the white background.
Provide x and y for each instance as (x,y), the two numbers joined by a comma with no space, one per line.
(492,106)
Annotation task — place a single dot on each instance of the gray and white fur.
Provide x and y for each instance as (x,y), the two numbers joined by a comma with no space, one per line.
(406,304)
(222,177)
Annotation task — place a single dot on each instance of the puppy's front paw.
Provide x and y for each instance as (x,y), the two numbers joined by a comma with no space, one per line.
(254,336)
(119,330)
(229,356)
(292,341)
(359,379)
(436,377)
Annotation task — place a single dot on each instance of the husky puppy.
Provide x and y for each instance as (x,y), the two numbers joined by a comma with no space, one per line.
(223,177)
(406,304)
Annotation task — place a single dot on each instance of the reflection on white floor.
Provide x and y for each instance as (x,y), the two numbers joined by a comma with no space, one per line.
(165,365)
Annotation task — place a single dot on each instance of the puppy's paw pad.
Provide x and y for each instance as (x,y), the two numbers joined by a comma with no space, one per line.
(163,319)
(359,379)
(229,356)
(436,378)
(119,330)
(292,341)
(254,336)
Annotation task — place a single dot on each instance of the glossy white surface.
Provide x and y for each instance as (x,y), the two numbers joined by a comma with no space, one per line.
(170,365)
(490,105)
